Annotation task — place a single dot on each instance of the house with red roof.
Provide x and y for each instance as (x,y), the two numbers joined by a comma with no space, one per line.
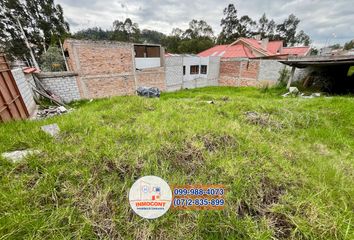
(253,48)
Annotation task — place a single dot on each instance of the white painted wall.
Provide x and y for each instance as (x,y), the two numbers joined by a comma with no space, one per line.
(143,63)
(190,61)
(175,79)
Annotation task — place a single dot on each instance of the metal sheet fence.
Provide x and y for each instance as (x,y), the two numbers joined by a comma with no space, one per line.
(11,102)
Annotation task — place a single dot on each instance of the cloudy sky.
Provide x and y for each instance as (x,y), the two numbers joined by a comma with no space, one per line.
(324,20)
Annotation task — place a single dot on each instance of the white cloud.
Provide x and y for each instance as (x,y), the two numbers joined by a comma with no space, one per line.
(319,18)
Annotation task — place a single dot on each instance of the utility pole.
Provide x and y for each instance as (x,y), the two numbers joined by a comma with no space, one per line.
(28,45)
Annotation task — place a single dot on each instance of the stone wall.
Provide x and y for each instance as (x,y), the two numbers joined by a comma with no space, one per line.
(63,84)
(24,83)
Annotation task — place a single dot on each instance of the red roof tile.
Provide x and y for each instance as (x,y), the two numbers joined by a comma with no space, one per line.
(275,46)
(242,48)
(299,51)
(28,70)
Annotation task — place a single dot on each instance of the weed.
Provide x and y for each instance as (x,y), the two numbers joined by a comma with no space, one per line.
(286,163)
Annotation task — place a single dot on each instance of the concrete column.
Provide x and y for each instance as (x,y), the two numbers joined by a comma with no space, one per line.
(291,77)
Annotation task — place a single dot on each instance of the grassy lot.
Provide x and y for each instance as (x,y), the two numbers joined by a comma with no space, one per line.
(288,166)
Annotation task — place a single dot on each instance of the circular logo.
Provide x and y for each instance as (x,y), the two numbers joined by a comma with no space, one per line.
(150,197)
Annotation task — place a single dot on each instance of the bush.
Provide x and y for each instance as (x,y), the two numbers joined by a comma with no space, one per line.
(284,76)
(52,60)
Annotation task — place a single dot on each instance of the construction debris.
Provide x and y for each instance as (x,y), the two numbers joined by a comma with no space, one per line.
(294,91)
(52,129)
(313,95)
(148,92)
(51,111)
(17,156)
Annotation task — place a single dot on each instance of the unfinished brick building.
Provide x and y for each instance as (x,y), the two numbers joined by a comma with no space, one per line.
(114,68)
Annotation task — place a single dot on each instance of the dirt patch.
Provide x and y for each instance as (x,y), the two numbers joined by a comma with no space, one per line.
(225,98)
(214,142)
(245,209)
(32,182)
(268,194)
(321,149)
(188,157)
(262,119)
(281,224)
(100,213)
(123,169)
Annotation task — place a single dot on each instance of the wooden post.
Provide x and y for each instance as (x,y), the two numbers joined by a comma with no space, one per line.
(62,52)
(28,45)
(291,77)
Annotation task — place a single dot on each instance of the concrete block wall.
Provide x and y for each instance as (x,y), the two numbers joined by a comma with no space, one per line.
(175,80)
(269,70)
(24,83)
(63,84)
(174,73)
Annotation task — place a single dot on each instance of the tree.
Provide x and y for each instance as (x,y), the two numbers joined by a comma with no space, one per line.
(229,23)
(246,27)
(42,21)
(198,37)
(314,51)
(349,45)
(172,41)
(302,38)
(151,36)
(266,27)
(335,46)
(287,30)
(126,31)
(233,27)
(94,33)
(11,39)
(198,29)
(52,60)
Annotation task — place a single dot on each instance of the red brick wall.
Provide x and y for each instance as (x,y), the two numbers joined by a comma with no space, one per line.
(109,86)
(250,69)
(237,72)
(107,69)
(229,72)
(152,78)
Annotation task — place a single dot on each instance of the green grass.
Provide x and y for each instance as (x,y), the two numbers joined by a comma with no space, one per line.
(289,171)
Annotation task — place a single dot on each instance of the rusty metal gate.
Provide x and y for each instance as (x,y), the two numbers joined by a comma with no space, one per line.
(11,102)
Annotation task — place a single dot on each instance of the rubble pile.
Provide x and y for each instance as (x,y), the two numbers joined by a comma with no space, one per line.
(294,92)
(51,111)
